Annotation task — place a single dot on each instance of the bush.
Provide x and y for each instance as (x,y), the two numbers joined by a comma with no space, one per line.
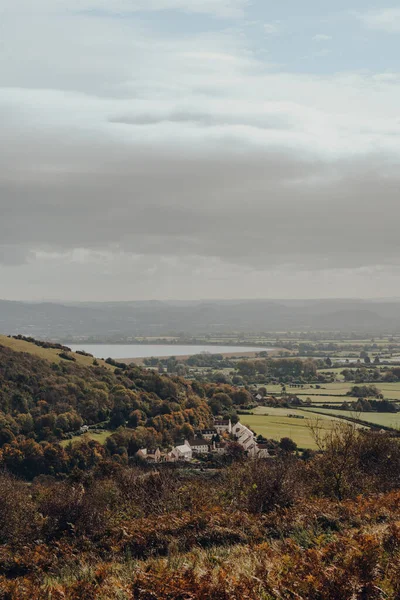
(19,519)
(67,356)
(260,486)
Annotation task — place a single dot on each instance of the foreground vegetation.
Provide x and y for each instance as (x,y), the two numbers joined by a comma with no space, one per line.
(321,529)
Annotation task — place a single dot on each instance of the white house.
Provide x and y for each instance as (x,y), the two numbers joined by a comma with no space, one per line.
(247,442)
(183,452)
(222,425)
(207,434)
(241,431)
(246,438)
(150,455)
(219,447)
(237,428)
(258,451)
(253,451)
(262,451)
(199,445)
(142,453)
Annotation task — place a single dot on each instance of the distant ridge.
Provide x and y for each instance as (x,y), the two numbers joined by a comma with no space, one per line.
(50,320)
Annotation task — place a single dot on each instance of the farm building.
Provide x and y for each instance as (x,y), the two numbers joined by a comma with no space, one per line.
(223,425)
(183,452)
(199,445)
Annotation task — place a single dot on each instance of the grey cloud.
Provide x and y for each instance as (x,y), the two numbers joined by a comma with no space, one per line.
(12,255)
(180,155)
(223,8)
(258,209)
(283,122)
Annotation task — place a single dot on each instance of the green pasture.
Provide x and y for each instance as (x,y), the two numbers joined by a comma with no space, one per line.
(274,423)
(385,419)
(339,388)
(337,391)
(391,391)
(319,399)
(98,437)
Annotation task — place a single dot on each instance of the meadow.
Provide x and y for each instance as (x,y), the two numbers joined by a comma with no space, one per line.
(335,392)
(339,388)
(384,419)
(99,437)
(322,399)
(278,424)
(274,423)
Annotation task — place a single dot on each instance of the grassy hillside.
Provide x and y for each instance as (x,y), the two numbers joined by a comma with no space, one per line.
(50,354)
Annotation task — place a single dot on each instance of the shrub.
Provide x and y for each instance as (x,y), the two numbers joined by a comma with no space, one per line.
(19,520)
(260,486)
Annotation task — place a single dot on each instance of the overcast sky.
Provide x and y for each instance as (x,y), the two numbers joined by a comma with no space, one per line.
(155,149)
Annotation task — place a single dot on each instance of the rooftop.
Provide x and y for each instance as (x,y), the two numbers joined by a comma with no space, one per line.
(199,442)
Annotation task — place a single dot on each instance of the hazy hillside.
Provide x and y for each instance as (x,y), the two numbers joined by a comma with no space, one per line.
(51,320)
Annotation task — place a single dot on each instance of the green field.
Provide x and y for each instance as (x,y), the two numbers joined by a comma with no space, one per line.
(385,419)
(98,437)
(327,399)
(274,423)
(391,391)
(339,388)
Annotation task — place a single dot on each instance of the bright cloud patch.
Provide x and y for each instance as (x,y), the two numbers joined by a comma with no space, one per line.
(387,19)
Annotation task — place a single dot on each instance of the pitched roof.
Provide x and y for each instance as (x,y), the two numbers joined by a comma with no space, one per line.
(244,433)
(199,442)
(184,449)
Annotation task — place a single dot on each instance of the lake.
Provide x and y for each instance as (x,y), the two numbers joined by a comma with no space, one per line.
(147,350)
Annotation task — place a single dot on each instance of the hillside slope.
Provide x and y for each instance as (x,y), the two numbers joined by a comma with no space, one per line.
(45,397)
(50,354)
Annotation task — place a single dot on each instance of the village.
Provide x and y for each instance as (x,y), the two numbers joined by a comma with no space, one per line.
(217,440)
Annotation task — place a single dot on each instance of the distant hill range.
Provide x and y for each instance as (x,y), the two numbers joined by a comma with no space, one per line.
(113,320)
